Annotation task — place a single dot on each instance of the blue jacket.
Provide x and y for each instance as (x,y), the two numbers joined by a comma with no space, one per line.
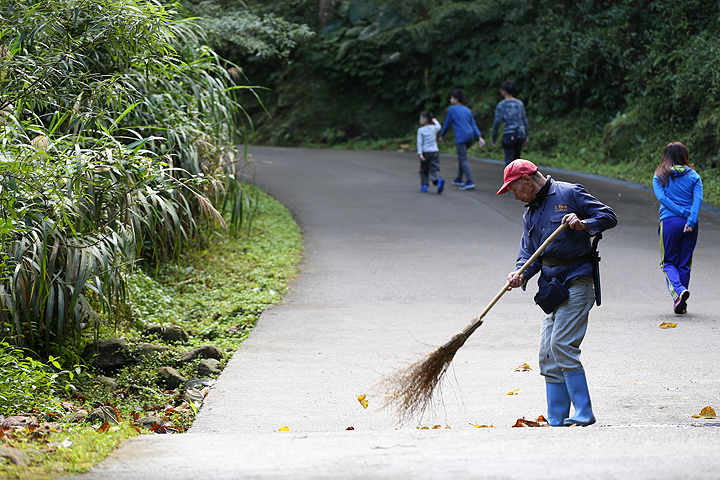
(540,220)
(682,197)
(461,119)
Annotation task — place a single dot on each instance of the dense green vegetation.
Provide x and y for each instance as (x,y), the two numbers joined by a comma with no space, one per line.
(607,84)
(215,293)
(126,207)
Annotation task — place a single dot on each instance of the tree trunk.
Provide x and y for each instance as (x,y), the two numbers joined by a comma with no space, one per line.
(326,11)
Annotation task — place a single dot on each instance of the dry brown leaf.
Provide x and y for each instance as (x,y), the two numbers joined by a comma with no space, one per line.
(523,422)
(103,428)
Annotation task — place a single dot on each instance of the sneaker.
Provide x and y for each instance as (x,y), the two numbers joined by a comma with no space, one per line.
(441,185)
(467,186)
(457,182)
(681,302)
(423,188)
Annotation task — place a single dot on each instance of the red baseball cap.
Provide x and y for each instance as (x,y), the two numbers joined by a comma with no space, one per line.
(515,170)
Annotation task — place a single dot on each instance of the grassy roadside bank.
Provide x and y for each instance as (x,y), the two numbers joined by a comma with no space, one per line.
(215,294)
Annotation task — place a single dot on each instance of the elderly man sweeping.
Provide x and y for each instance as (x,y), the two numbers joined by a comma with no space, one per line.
(568,281)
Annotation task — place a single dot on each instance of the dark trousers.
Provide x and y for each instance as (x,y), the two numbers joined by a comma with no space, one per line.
(430,167)
(512,146)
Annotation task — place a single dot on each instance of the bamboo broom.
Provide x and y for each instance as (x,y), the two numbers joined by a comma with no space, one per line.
(414,385)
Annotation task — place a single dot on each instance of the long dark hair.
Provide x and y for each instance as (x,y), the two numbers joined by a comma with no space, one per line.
(675,154)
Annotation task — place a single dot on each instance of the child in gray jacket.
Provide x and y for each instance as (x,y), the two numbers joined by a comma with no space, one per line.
(427,150)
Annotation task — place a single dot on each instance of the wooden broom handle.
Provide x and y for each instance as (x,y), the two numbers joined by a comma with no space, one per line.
(477,321)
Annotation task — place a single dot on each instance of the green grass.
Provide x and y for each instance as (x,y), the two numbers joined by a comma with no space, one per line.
(216,293)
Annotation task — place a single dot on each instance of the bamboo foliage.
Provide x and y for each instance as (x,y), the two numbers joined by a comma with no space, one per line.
(116,126)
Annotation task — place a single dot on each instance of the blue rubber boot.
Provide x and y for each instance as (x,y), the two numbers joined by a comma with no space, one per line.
(578,390)
(558,402)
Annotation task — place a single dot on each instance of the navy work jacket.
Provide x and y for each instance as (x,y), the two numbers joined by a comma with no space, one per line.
(541,220)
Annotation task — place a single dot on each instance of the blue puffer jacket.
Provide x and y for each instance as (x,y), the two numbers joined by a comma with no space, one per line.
(683,195)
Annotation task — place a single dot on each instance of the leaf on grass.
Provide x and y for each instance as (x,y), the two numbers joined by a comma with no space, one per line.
(514,392)
(103,428)
(160,428)
(523,368)
(363,401)
(706,412)
(668,325)
(284,429)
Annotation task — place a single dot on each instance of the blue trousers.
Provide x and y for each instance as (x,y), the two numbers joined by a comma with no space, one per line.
(563,331)
(463,165)
(676,252)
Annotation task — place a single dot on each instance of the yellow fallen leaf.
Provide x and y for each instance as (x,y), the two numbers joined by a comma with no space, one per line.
(706,412)
(363,401)
(668,325)
(284,429)
(483,426)
(523,368)
(514,392)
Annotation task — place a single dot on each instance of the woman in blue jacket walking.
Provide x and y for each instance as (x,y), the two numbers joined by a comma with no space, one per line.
(679,189)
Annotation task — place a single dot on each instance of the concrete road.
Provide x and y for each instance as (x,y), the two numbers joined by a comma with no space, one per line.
(389,274)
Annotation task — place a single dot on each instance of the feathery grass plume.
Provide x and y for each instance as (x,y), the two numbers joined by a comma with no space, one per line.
(413,387)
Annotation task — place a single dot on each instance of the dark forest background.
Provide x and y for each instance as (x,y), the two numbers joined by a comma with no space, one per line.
(607,84)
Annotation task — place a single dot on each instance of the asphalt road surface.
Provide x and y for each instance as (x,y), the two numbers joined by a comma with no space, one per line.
(390,273)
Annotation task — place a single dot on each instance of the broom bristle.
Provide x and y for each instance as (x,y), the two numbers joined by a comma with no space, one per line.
(412,387)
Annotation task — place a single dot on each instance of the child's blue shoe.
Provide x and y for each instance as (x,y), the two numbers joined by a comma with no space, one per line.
(467,186)
(457,182)
(423,188)
(441,185)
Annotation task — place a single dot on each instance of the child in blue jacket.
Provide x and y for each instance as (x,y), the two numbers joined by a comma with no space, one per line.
(679,189)
(461,119)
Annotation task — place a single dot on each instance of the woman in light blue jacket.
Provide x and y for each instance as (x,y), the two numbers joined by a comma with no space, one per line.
(679,189)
